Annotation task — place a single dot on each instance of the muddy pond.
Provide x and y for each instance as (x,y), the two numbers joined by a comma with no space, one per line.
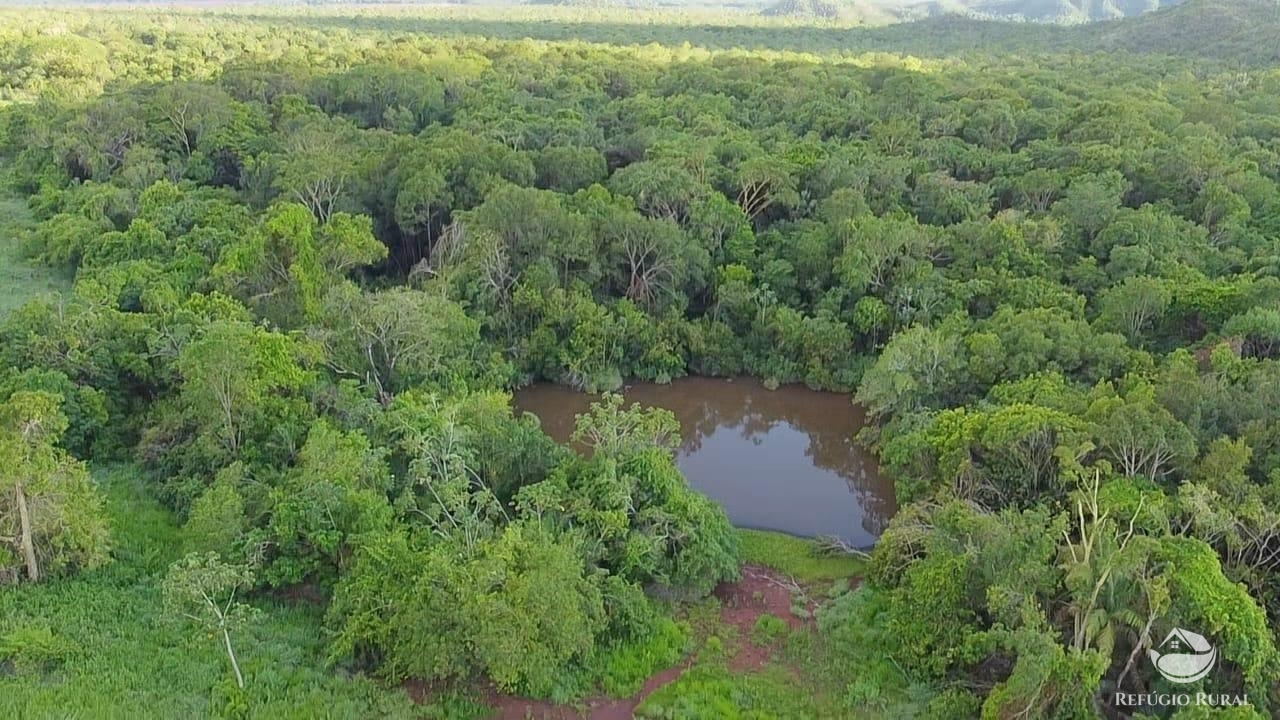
(781,460)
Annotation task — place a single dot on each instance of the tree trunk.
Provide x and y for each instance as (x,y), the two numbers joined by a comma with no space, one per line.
(25,541)
(226,638)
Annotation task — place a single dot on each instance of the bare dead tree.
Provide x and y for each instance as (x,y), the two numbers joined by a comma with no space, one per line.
(649,268)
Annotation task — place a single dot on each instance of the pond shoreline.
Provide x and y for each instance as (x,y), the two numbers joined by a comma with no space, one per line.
(782,460)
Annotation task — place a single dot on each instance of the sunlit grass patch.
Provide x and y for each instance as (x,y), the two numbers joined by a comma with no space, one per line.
(20,278)
(797,557)
(713,691)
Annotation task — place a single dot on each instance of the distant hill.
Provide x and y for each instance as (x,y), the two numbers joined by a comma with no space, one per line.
(1071,11)
(1049,11)
(823,9)
(844,10)
(1247,31)
(1240,32)
(583,3)
(1063,12)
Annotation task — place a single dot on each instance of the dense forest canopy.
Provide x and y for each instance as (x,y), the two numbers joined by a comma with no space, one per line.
(312,256)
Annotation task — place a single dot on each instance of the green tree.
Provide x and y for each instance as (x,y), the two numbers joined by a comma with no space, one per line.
(1134,305)
(654,259)
(187,114)
(764,182)
(638,515)
(917,367)
(231,373)
(399,338)
(201,589)
(1090,203)
(613,430)
(422,202)
(336,491)
(1258,330)
(879,251)
(217,520)
(940,199)
(660,188)
(284,266)
(51,514)
(1142,438)
(568,169)
(319,167)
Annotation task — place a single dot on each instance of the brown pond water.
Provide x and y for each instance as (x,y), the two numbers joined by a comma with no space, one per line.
(780,460)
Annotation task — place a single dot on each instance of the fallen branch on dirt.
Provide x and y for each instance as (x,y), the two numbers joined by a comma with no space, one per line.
(786,582)
(828,545)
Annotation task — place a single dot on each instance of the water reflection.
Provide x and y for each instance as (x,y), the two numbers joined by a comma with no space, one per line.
(778,460)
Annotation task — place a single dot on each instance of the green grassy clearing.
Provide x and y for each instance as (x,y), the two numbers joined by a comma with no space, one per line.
(794,556)
(788,686)
(21,279)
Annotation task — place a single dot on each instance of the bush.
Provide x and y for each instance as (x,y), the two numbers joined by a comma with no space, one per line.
(519,609)
(713,692)
(768,629)
(623,669)
(35,649)
(929,615)
(953,704)
(853,628)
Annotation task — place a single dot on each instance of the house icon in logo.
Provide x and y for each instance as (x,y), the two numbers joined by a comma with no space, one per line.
(1184,656)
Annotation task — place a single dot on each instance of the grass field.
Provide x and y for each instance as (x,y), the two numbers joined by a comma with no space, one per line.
(102,646)
(21,279)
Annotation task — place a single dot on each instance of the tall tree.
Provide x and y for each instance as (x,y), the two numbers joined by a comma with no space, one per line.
(231,372)
(283,267)
(51,514)
(395,339)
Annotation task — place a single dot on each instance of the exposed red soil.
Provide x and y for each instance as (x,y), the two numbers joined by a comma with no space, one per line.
(508,707)
(760,591)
